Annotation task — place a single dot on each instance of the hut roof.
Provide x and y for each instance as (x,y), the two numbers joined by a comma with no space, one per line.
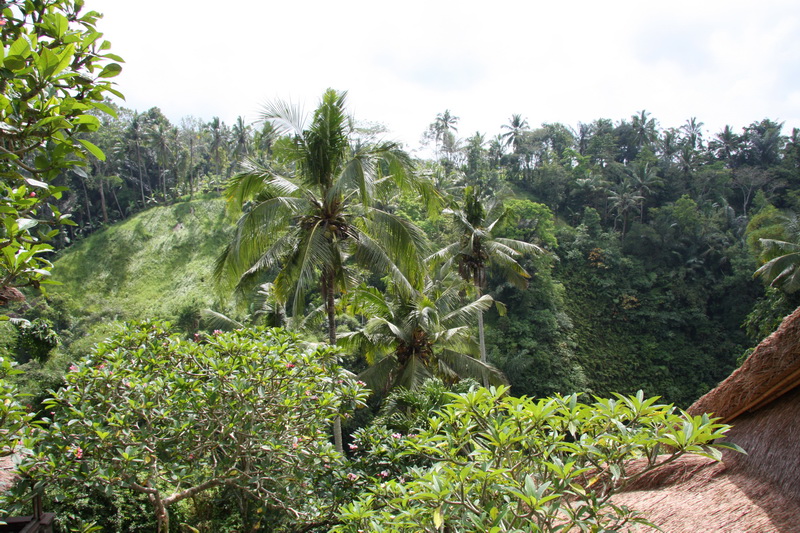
(699,494)
(772,370)
(754,492)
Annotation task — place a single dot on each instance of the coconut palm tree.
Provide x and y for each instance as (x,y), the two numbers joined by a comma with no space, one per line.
(517,126)
(411,337)
(477,249)
(313,212)
(781,268)
(310,219)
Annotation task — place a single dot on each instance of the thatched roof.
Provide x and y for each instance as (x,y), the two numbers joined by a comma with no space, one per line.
(772,370)
(758,491)
(696,494)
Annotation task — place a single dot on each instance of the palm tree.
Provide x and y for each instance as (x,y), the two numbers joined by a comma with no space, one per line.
(645,179)
(477,249)
(781,268)
(307,222)
(240,133)
(623,200)
(644,129)
(310,219)
(694,133)
(410,338)
(517,126)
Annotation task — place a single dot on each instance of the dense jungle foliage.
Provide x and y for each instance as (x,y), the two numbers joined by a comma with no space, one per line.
(652,237)
(304,262)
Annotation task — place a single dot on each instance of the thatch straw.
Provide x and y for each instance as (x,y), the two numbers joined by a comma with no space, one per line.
(759,491)
(771,370)
(771,438)
(696,494)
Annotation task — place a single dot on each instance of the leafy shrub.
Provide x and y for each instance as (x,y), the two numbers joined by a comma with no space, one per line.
(155,414)
(503,464)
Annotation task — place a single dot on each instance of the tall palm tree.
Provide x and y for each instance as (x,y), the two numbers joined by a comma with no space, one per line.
(319,213)
(477,249)
(644,129)
(410,338)
(314,211)
(517,126)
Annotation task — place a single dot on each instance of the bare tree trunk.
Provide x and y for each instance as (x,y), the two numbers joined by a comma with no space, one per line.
(103,201)
(141,177)
(88,202)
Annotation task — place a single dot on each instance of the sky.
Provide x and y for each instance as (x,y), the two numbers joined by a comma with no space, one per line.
(729,62)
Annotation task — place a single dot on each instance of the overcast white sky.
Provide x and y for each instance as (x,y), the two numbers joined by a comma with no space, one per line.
(724,62)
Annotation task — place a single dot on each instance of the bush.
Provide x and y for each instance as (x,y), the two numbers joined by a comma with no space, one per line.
(155,414)
(503,464)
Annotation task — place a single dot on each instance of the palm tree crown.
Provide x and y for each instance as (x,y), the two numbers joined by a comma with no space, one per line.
(410,338)
(313,211)
(477,248)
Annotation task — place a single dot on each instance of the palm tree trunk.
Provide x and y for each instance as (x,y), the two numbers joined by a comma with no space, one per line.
(483,349)
(330,309)
(482,343)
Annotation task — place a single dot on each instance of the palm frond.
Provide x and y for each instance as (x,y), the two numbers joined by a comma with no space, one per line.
(286,119)
(465,366)
(466,314)
(379,376)
(216,320)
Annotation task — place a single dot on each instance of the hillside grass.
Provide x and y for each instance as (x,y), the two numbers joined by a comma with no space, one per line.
(157,264)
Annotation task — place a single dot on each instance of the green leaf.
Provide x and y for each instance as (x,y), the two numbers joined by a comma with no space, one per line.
(110,70)
(25,224)
(95,151)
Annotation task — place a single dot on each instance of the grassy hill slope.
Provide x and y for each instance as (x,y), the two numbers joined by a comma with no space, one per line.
(156,264)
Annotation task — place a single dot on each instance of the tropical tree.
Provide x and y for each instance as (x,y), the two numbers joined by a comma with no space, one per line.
(153,413)
(314,211)
(782,258)
(645,129)
(477,249)
(309,218)
(410,338)
(55,72)
(517,126)
(624,199)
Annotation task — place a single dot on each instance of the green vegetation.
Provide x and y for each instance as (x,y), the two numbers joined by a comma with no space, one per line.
(554,263)
(155,414)
(163,271)
(532,465)
(54,72)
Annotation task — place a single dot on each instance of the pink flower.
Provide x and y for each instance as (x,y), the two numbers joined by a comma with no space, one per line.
(289,365)
(78,452)
(397,435)
(384,473)
(73,368)
(353,447)
(217,331)
(352,477)
(361,383)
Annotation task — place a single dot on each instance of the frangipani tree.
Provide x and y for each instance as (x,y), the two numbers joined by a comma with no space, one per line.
(156,414)
(55,74)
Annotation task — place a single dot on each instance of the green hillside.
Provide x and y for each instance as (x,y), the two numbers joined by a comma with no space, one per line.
(156,264)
